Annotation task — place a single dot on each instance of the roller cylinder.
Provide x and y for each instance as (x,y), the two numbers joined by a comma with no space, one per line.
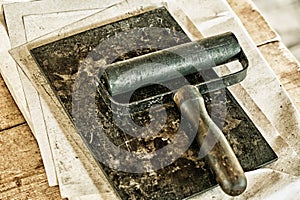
(164,65)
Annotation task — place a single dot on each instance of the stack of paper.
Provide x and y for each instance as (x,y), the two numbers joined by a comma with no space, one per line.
(67,161)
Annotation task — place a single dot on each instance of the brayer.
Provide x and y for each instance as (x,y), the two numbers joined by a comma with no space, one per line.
(169,64)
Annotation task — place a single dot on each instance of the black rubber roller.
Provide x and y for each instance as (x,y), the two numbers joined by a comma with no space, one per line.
(171,63)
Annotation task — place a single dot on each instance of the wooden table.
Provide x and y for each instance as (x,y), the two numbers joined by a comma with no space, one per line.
(22,174)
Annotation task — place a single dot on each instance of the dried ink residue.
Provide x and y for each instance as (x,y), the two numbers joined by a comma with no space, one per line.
(72,63)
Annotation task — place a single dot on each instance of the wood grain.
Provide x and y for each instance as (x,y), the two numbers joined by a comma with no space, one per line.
(22,174)
(285,66)
(10,115)
(256,25)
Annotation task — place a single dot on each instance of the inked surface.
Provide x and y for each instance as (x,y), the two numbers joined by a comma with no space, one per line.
(72,63)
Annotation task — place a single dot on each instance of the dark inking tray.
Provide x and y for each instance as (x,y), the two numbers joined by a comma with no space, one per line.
(71,65)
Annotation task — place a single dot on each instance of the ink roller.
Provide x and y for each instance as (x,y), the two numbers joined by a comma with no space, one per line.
(181,61)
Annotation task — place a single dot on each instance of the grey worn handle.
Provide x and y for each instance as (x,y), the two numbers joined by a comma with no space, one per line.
(221,158)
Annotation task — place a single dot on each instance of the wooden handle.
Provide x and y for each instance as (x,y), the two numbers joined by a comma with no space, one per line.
(221,158)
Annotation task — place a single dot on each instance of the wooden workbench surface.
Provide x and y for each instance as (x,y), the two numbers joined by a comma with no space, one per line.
(22,174)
